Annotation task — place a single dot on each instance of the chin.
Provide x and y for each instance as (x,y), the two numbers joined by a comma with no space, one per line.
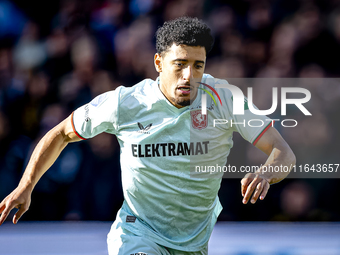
(184,103)
(181,102)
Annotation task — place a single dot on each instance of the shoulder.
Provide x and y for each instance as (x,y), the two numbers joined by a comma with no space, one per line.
(141,88)
(117,96)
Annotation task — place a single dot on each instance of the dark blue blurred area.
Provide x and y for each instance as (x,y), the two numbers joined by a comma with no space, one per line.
(58,55)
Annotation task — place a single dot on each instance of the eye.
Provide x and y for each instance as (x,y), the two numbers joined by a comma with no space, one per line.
(198,66)
(179,64)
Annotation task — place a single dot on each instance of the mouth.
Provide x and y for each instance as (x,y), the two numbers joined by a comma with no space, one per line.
(185,89)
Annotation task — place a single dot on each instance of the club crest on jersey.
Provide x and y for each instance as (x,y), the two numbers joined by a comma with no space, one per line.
(198,120)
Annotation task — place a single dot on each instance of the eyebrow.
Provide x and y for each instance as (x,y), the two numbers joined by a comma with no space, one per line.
(185,60)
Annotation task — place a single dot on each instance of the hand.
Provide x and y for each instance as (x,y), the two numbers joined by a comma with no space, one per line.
(254,183)
(20,198)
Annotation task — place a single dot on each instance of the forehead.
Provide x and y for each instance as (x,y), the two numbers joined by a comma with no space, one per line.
(186,52)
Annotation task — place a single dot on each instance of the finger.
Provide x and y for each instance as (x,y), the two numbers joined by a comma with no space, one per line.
(250,190)
(4,214)
(18,214)
(245,182)
(259,188)
(265,190)
(2,207)
(244,185)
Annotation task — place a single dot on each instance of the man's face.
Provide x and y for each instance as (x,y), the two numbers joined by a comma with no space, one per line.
(180,68)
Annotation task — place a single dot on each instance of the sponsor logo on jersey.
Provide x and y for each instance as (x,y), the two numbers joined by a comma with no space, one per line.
(130,218)
(87,109)
(139,253)
(169,149)
(198,120)
(143,129)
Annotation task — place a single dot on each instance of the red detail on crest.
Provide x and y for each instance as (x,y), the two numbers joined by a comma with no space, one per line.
(198,120)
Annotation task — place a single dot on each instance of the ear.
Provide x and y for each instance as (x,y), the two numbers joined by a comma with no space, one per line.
(158,62)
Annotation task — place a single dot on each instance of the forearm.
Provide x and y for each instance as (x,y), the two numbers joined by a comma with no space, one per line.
(46,153)
(278,165)
(281,160)
(43,156)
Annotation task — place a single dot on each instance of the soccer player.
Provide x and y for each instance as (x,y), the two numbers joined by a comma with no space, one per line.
(163,134)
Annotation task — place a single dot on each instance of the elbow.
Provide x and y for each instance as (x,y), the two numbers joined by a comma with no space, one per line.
(291,157)
(58,135)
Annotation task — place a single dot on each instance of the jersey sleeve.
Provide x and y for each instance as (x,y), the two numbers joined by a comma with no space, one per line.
(98,116)
(250,126)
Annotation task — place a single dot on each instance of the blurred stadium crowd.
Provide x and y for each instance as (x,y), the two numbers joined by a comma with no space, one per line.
(57,55)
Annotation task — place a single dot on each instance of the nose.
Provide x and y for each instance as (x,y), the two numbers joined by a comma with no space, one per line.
(187,73)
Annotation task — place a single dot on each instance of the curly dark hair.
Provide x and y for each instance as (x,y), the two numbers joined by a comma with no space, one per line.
(184,30)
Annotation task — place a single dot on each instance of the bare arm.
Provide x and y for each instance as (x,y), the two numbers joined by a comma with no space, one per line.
(43,156)
(279,154)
